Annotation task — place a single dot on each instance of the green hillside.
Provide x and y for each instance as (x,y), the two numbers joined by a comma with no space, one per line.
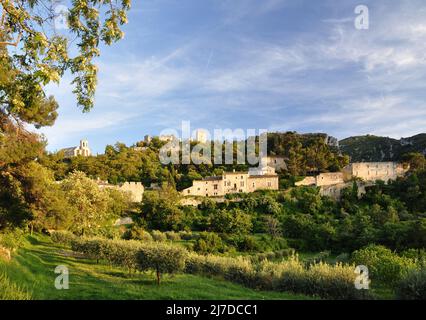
(32,268)
(376,148)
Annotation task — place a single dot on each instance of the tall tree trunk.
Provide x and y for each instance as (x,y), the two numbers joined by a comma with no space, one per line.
(158,277)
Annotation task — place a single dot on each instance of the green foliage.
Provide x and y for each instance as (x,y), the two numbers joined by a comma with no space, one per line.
(160,209)
(137,233)
(231,221)
(383,264)
(172,236)
(158,235)
(306,152)
(413,286)
(63,237)
(11,291)
(12,239)
(88,200)
(162,258)
(43,56)
(374,148)
(209,242)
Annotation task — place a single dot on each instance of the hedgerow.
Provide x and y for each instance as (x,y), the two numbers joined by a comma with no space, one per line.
(413,286)
(318,279)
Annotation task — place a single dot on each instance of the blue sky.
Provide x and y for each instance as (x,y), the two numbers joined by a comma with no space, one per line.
(263,64)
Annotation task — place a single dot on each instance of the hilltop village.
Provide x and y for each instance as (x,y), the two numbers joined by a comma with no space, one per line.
(264,177)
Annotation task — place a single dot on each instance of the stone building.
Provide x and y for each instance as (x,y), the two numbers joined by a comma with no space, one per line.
(232,182)
(134,189)
(82,150)
(372,171)
(323,179)
(367,173)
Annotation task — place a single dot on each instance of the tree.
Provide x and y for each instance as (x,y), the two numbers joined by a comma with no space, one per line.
(230,221)
(273,227)
(43,56)
(161,211)
(90,202)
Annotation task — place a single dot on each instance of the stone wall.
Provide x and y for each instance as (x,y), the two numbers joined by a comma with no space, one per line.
(135,189)
(372,171)
(330,178)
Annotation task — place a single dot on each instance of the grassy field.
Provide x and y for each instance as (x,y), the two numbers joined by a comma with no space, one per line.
(33,268)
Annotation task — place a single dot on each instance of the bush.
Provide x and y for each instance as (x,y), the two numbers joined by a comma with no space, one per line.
(417,255)
(172,236)
(162,258)
(12,239)
(209,242)
(62,237)
(284,276)
(413,286)
(321,279)
(383,264)
(10,291)
(274,255)
(187,235)
(239,270)
(137,233)
(333,282)
(158,235)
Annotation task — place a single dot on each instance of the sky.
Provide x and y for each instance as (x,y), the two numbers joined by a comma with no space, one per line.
(280,65)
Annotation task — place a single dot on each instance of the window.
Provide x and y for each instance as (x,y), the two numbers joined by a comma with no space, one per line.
(215,187)
(242,184)
(269,184)
(242,177)
(189,191)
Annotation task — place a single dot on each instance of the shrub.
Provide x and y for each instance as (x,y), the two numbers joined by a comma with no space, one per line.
(10,291)
(284,276)
(239,270)
(158,235)
(320,257)
(12,239)
(418,255)
(187,235)
(62,237)
(137,233)
(413,286)
(162,258)
(383,264)
(332,282)
(209,242)
(172,236)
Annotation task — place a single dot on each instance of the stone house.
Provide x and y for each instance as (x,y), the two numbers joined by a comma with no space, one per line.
(232,182)
(372,171)
(134,189)
(331,184)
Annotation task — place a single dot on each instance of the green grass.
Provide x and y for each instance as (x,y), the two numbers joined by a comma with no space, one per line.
(33,268)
